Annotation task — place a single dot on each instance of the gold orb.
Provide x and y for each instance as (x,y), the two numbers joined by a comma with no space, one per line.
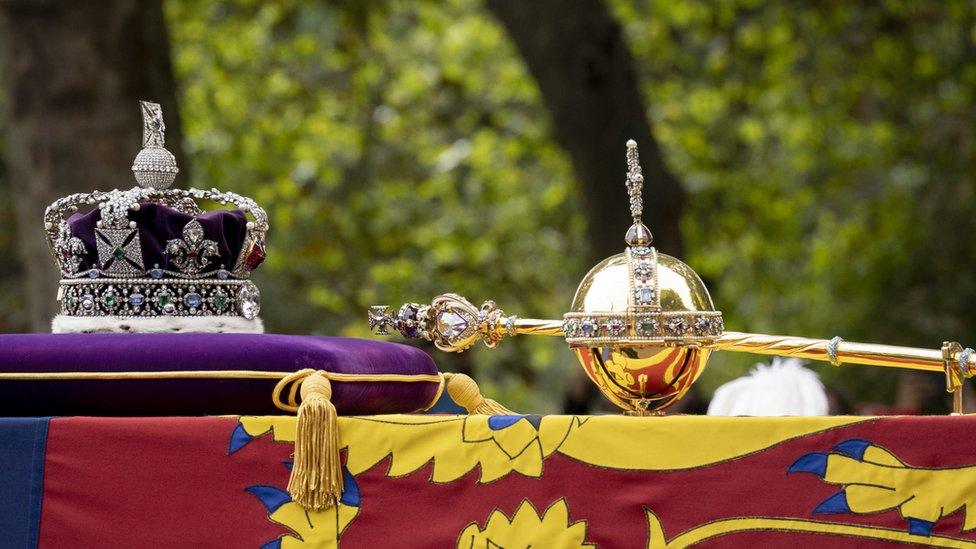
(641,324)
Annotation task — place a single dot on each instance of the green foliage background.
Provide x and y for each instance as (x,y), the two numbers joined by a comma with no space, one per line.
(12,299)
(402,150)
(830,156)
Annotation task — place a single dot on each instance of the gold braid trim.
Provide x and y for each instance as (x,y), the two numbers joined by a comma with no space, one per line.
(212,374)
(437,395)
(292,380)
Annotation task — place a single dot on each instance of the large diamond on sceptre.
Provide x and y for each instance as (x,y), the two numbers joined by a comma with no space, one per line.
(154,166)
(451,322)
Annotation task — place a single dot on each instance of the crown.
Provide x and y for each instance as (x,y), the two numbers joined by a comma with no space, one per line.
(150,258)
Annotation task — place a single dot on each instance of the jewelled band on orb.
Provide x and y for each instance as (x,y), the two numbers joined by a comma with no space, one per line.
(664,327)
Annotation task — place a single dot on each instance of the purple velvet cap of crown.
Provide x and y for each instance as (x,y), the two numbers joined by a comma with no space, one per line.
(158,223)
(161,352)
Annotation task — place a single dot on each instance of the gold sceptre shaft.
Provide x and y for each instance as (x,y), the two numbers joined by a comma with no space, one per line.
(453,324)
(844,352)
(847,352)
(532,326)
(955,362)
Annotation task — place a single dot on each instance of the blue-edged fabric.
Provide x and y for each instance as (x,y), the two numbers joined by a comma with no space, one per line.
(22,447)
(446,405)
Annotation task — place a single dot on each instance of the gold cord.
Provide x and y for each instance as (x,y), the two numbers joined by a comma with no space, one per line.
(211,374)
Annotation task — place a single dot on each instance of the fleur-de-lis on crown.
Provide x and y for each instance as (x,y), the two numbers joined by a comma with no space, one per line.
(193,252)
(70,250)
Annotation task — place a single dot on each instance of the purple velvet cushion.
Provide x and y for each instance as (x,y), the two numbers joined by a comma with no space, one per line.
(158,352)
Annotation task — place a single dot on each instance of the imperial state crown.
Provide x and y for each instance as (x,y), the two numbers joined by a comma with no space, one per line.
(150,258)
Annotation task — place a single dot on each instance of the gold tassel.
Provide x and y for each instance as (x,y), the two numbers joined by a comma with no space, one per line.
(316,476)
(465,392)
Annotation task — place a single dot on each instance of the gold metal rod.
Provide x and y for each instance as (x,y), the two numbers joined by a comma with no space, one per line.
(533,326)
(848,352)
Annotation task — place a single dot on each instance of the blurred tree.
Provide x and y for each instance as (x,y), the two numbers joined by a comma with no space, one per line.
(74,73)
(585,72)
(12,318)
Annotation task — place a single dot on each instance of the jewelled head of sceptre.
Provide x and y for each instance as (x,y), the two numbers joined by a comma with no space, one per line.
(150,259)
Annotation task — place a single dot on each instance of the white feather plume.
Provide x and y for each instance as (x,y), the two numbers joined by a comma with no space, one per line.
(783,388)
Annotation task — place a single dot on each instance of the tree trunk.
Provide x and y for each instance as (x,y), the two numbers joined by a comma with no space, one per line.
(585,72)
(75,70)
